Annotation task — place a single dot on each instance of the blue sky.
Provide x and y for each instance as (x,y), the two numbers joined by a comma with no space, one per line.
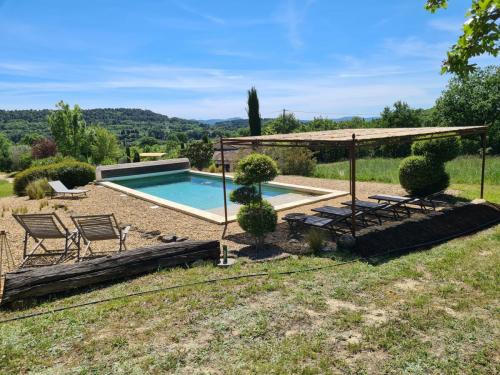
(196,59)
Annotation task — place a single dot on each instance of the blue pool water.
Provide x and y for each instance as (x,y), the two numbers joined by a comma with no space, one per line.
(202,192)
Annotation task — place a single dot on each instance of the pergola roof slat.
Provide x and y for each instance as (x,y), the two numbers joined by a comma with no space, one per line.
(362,135)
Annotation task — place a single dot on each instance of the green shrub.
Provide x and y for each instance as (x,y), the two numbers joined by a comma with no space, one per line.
(316,239)
(439,150)
(255,169)
(214,169)
(71,174)
(257,216)
(38,189)
(199,153)
(422,176)
(20,155)
(293,161)
(258,219)
(5,160)
(52,160)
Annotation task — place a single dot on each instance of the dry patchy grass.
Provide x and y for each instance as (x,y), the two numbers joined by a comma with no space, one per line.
(434,311)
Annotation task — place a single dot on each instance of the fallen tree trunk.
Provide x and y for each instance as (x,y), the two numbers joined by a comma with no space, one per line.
(36,282)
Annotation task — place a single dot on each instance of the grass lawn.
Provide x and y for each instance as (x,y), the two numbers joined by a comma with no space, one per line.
(465,173)
(5,188)
(429,312)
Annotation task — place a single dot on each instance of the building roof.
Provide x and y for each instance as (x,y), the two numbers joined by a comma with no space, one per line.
(226,147)
(344,137)
(229,156)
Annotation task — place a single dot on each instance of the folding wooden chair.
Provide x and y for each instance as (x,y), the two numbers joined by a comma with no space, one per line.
(99,228)
(43,227)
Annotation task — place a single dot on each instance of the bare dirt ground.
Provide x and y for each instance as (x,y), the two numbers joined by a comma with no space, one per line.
(145,217)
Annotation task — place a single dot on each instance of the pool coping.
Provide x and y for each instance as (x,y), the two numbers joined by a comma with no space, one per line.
(320,194)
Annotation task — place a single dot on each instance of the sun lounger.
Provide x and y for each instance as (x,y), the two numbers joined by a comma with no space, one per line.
(342,214)
(296,221)
(58,188)
(99,228)
(374,209)
(42,227)
(424,203)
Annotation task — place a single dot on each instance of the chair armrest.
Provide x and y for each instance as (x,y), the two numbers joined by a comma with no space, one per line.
(124,230)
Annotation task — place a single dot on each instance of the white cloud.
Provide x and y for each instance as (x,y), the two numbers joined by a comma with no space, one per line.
(234,53)
(415,47)
(446,24)
(291,17)
(209,17)
(203,92)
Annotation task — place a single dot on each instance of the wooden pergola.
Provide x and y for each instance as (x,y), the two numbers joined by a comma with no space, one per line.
(352,139)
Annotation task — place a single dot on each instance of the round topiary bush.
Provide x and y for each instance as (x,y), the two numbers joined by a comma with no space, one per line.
(439,150)
(255,169)
(245,195)
(258,219)
(421,176)
(70,173)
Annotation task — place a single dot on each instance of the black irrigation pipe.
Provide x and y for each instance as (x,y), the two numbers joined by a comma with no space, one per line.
(177,286)
(253,275)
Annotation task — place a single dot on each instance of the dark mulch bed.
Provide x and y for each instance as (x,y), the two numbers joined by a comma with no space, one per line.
(268,252)
(423,231)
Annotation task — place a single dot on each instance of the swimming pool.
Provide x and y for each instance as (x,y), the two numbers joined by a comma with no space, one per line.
(200,194)
(198,191)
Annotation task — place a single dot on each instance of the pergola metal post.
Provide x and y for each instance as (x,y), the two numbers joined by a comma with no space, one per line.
(352,157)
(223,178)
(350,171)
(483,144)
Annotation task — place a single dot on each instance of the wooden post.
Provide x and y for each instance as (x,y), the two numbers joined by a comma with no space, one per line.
(223,178)
(483,144)
(353,185)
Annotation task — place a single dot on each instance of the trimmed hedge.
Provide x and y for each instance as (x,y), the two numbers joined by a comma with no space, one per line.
(421,176)
(70,173)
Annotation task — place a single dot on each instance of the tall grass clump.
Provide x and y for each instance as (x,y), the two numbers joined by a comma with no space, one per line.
(38,189)
(315,239)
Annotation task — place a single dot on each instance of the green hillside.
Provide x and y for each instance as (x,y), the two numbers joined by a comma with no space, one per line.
(128,123)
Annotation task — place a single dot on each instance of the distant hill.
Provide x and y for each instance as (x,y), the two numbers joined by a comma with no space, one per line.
(220,120)
(128,123)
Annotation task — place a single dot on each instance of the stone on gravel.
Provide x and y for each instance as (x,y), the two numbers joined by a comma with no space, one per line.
(167,238)
(151,234)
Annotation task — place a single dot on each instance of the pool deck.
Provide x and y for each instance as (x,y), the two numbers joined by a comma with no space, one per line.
(144,216)
(216,215)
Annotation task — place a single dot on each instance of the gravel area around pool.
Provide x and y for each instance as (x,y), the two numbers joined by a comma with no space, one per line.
(145,217)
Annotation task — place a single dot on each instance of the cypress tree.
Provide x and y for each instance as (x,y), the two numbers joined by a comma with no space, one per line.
(253,112)
(127,152)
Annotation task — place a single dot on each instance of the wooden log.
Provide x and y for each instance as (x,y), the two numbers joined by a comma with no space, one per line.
(41,281)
